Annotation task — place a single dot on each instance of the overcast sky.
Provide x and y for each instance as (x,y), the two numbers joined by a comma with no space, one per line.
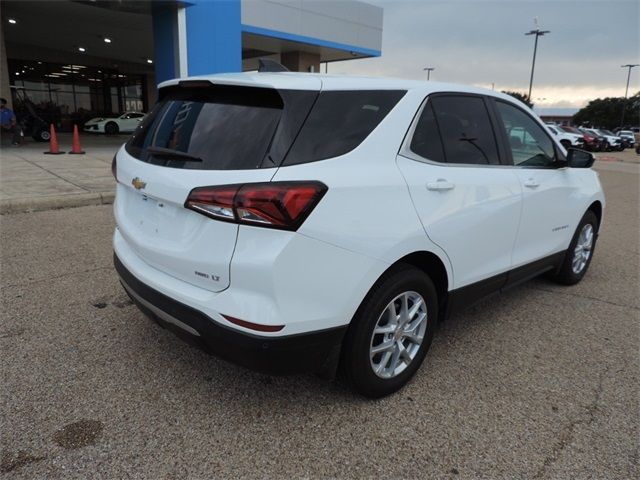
(482,42)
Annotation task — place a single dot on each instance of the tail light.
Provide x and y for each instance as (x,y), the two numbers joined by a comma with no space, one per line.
(282,205)
(589,138)
(114,168)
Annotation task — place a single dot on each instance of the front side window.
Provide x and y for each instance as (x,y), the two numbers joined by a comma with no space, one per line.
(530,145)
(466,130)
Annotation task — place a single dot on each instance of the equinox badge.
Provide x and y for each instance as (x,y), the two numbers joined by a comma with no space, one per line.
(138,184)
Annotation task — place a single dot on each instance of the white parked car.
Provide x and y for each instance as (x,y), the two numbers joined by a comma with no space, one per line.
(566,139)
(293,222)
(628,136)
(614,141)
(125,123)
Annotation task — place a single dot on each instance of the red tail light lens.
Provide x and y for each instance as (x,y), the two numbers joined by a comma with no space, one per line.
(283,205)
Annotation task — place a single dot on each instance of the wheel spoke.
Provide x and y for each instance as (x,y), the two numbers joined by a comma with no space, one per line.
(404,312)
(414,309)
(389,328)
(395,357)
(383,362)
(403,354)
(383,347)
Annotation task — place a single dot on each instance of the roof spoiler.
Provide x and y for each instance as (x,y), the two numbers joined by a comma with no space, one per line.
(268,65)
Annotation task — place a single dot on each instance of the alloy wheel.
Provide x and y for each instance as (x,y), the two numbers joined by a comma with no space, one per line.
(583,249)
(398,335)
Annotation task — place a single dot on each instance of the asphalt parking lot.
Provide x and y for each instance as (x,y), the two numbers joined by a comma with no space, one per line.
(540,382)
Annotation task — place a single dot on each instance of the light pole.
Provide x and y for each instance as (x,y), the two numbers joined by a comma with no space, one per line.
(428,70)
(538,33)
(626,91)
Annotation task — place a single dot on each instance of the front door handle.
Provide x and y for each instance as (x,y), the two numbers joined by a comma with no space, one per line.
(531,183)
(440,185)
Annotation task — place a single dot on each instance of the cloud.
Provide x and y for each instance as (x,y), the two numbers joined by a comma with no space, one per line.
(483,42)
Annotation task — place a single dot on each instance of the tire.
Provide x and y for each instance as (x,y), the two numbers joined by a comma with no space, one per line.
(567,274)
(357,361)
(42,136)
(111,128)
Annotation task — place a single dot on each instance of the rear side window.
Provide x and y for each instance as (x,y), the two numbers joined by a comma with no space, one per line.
(466,130)
(339,122)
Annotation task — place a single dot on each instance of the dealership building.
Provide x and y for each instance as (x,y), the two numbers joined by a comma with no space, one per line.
(79,59)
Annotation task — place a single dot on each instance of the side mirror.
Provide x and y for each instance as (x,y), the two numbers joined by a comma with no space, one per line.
(579,158)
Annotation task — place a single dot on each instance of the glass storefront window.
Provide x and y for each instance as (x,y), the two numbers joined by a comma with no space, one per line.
(65,94)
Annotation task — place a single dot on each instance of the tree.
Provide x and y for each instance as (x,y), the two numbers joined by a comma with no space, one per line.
(523,97)
(607,112)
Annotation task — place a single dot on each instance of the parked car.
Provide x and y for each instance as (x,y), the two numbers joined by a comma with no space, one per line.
(294,222)
(614,142)
(628,138)
(125,123)
(567,139)
(593,140)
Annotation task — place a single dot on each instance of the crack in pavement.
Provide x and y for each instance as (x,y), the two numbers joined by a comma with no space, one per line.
(585,296)
(566,435)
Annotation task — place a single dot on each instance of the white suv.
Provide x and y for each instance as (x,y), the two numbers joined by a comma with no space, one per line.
(296,222)
(566,139)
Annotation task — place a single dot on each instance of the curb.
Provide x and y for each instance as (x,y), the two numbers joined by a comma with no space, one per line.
(36,204)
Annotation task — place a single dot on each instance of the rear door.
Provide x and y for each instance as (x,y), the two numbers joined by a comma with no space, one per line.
(467,200)
(200,136)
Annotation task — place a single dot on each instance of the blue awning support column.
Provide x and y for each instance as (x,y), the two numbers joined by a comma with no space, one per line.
(164,20)
(214,36)
(197,37)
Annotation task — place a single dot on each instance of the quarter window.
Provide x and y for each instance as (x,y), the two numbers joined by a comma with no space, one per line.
(530,145)
(426,140)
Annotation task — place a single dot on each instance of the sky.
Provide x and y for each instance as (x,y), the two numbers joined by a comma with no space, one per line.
(482,43)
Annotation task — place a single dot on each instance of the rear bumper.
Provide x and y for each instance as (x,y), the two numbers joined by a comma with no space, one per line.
(316,351)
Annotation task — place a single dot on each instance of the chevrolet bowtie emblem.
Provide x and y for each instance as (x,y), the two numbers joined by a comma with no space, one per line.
(138,184)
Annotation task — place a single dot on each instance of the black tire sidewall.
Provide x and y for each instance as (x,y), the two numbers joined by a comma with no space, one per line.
(355,359)
(111,128)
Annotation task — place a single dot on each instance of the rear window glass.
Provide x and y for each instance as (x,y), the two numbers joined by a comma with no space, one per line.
(339,122)
(217,128)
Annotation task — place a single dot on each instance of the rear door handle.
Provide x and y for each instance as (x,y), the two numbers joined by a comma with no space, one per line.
(531,183)
(440,185)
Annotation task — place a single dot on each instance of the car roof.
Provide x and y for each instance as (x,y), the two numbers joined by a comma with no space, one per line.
(319,81)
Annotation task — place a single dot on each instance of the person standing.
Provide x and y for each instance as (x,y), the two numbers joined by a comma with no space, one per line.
(8,122)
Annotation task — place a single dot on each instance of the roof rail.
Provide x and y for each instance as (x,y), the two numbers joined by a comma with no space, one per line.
(268,65)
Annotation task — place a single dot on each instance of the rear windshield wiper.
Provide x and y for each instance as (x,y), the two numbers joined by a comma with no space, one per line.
(167,152)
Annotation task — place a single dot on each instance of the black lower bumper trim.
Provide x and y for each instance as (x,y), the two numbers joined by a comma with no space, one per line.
(308,352)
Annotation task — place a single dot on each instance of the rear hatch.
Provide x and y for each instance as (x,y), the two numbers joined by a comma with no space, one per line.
(201,134)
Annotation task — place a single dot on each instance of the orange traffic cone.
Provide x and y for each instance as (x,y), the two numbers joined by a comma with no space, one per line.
(53,142)
(76,148)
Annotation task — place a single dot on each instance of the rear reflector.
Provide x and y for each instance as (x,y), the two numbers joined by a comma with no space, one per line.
(282,205)
(254,326)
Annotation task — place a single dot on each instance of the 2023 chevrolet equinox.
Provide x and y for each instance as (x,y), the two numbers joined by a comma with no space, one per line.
(296,222)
